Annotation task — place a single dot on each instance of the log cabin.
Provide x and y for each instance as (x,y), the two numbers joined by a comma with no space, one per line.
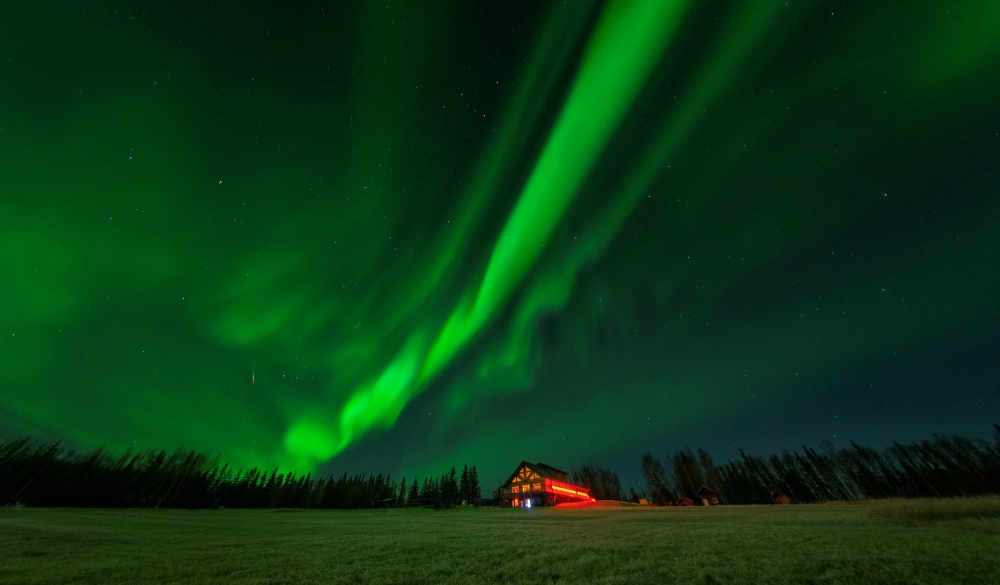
(538,484)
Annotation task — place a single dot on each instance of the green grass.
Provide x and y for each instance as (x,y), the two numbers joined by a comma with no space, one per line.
(977,514)
(895,542)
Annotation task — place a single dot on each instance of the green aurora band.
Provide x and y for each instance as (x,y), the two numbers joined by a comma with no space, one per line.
(387,236)
(625,46)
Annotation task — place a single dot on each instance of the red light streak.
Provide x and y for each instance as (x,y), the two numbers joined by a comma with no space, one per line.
(569,491)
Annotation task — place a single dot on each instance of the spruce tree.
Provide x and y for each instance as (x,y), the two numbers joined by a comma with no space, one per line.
(474,491)
(449,488)
(464,493)
(413,498)
(426,497)
(434,493)
(401,495)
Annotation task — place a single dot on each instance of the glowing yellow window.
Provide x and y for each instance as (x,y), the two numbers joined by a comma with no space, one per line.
(515,489)
(536,486)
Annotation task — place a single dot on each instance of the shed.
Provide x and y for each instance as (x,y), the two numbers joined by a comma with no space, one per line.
(683,502)
(708,496)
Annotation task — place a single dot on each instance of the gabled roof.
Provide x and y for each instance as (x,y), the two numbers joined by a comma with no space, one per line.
(527,470)
(705,488)
(556,473)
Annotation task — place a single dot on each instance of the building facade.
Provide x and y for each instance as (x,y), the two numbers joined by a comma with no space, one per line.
(538,484)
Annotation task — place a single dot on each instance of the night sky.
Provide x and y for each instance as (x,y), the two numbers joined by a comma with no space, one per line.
(393,237)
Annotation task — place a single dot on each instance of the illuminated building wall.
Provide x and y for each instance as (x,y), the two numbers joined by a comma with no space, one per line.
(541,485)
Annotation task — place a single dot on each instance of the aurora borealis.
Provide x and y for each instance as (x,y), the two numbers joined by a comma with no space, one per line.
(385,237)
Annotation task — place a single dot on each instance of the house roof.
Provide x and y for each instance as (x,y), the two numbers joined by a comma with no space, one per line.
(556,473)
(525,469)
(705,488)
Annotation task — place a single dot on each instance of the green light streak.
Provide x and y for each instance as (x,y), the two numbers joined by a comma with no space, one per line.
(626,45)
(552,288)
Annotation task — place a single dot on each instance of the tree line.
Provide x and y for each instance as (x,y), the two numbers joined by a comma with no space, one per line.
(49,475)
(939,467)
(602,482)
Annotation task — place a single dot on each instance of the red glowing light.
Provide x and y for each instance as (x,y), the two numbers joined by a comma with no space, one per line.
(569,491)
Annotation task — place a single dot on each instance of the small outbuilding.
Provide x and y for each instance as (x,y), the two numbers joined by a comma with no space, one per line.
(682,501)
(708,496)
(780,498)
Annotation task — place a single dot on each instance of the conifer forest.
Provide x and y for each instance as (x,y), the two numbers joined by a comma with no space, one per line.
(37,474)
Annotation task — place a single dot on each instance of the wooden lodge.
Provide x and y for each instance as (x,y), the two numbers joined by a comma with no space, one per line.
(538,484)
(708,496)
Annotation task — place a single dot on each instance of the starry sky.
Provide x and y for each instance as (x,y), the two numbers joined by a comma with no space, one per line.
(393,237)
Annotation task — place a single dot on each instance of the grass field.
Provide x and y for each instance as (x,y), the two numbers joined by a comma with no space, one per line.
(955,541)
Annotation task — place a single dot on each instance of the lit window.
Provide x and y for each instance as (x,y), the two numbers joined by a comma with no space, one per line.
(515,489)
(536,487)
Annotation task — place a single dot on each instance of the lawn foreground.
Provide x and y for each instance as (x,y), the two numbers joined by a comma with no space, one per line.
(916,541)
